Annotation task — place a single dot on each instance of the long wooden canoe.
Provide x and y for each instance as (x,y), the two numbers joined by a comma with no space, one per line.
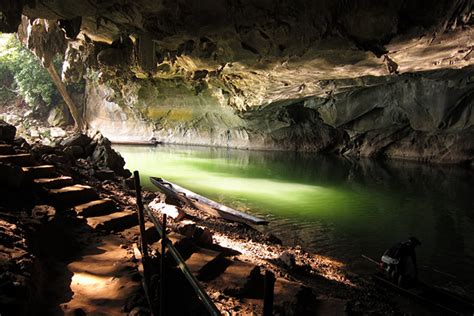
(204,204)
(136,142)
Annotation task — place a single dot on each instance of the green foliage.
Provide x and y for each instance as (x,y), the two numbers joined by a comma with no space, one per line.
(30,79)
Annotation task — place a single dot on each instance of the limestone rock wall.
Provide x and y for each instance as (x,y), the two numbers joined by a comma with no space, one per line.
(167,110)
(424,116)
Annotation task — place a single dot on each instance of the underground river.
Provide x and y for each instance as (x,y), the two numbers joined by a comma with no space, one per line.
(334,206)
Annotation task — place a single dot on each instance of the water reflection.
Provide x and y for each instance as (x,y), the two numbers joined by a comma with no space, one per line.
(338,207)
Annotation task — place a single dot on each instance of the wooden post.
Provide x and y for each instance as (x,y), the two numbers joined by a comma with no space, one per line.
(162,267)
(141,218)
(268,293)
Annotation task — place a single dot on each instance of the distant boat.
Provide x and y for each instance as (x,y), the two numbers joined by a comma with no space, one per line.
(149,142)
(204,204)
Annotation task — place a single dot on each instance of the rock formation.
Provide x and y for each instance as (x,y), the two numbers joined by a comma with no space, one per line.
(362,78)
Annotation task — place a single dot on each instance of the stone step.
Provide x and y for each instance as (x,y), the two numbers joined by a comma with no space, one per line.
(18,159)
(102,279)
(54,183)
(43,171)
(237,279)
(6,149)
(114,222)
(206,264)
(96,208)
(72,195)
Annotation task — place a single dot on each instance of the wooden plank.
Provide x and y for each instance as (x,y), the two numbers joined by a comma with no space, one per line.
(43,171)
(117,221)
(17,159)
(6,149)
(54,183)
(196,200)
(96,208)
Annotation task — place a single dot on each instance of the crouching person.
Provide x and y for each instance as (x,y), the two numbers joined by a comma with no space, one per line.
(399,262)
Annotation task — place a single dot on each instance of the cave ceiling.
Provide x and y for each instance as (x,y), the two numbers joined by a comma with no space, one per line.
(264,51)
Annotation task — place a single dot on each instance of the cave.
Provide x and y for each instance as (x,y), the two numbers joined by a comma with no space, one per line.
(295,153)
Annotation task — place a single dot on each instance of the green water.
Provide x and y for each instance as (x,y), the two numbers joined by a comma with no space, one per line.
(332,206)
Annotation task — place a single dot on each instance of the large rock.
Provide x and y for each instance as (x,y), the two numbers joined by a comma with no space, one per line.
(77,140)
(287,260)
(172,211)
(57,132)
(105,157)
(7,132)
(43,213)
(56,117)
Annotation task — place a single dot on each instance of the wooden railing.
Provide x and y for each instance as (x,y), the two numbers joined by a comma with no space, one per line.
(165,244)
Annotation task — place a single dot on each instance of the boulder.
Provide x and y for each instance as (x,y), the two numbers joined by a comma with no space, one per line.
(186,228)
(105,157)
(34,133)
(56,117)
(129,183)
(40,149)
(57,158)
(89,149)
(57,132)
(287,260)
(203,237)
(7,132)
(29,114)
(47,142)
(43,213)
(12,119)
(75,151)
(77,140)
(171,211)
(21,143)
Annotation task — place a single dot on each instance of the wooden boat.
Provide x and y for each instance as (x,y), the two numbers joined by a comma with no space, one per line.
(204,204)
(150,142)
(433,297)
